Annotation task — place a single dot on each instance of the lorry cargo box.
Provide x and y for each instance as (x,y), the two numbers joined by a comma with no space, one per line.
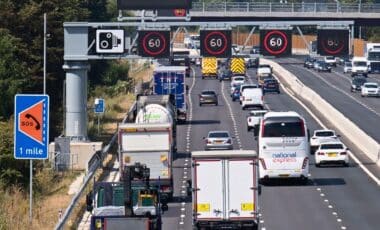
(225,189)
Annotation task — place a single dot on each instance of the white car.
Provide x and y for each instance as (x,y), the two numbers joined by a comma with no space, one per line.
(254,117)
(370,89)
(321,136)
(236,80)
(331,152)
(330,60)
(347,67)
(218,140)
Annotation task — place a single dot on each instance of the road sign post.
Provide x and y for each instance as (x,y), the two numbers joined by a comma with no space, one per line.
(31,132)
(99,109)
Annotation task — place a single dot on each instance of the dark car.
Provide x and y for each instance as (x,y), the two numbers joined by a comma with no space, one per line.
(324,67)
(255,50)
(236,93)
(208,97)
(271,85)
(309,62)
(252,62)
(357,83)
(225,74)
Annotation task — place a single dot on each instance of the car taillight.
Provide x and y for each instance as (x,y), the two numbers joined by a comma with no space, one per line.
(303,127)
(262,97)
(249,119)
(243,98)
(321,153)
(304,163)
(343,153)
(262,129)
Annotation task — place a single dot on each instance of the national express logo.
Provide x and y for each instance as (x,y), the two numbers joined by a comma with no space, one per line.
(284,157)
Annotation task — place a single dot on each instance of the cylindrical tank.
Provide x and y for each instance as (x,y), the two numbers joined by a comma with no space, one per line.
(154,113)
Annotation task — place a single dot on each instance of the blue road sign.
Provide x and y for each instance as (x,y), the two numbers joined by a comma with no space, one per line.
(31,130)
(99,105)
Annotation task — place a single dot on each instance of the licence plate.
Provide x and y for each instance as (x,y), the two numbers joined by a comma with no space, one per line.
(249,100)
(332,154)
(218,142)
(270,85)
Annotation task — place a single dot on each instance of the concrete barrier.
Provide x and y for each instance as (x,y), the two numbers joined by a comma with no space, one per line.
(342,124)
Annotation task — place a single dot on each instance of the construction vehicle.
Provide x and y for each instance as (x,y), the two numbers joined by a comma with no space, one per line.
(124,205)
(237,65)
(209,67)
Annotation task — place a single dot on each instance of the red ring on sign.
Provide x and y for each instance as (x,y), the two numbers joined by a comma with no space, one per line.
(332,51)
(284,37)
(216,52)
(146,49)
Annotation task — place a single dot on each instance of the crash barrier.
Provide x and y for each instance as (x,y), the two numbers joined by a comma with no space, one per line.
(346,128)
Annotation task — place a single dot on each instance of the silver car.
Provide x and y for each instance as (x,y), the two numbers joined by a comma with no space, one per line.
(218,140)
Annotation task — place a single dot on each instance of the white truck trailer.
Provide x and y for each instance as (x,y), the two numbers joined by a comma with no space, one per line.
(150,144)
(225,189)
(372,53)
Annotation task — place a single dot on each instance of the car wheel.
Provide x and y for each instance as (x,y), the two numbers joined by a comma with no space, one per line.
(200,104)
(362,95)
(346,165)
(318,165)
(248,129)
(216,104)
(278,92)
(233,99)
(243,108)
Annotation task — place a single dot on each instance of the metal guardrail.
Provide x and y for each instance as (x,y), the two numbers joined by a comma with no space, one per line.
(256,7)
(96,162)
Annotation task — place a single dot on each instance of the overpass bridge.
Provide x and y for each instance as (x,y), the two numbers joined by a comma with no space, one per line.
(361,14)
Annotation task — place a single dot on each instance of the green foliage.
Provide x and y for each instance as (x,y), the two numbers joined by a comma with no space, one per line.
(13,72)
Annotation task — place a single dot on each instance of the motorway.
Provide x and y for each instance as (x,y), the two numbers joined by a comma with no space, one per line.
(334,198)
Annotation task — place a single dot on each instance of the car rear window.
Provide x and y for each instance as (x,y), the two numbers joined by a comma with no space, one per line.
(218,135)
(283,127)
(208,93)
(331,146)
(324,134)
(372,86)
(239,79)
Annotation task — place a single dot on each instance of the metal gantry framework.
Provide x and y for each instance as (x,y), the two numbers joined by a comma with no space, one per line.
(77,47)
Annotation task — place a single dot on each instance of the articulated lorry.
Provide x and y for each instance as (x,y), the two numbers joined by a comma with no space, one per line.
(170,80)
(151,144)
(225,189)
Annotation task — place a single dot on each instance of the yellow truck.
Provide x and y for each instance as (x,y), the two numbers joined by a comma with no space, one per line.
(237,66)
(209,67)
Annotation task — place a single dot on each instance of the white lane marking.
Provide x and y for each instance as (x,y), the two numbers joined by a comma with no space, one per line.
(188,140)
(344,92)
(231,115)
(357,161)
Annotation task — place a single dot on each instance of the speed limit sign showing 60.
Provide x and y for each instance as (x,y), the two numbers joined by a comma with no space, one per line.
(154,43)
(215,43)
(275,42)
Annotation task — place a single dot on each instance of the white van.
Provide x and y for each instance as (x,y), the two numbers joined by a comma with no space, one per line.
(284,147)
(252,98)
(359,66)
